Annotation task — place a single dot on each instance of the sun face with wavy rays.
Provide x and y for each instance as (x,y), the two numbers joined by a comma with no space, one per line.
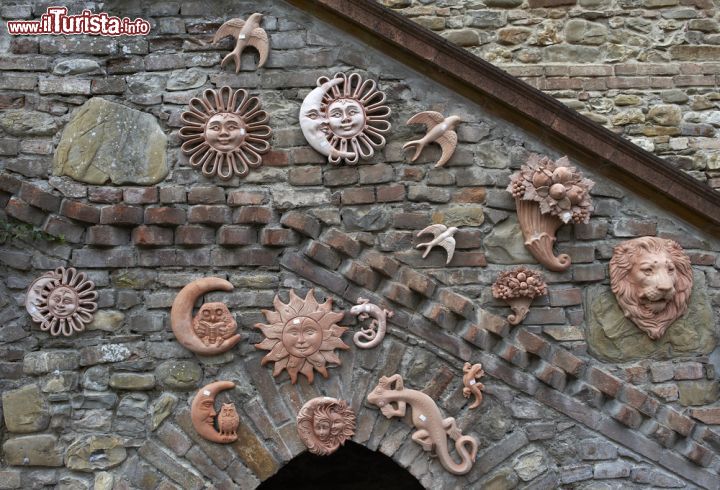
(225,133)
(62,301)
(301,336)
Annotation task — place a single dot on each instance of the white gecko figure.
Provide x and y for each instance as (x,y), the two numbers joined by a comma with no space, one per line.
(440,130)
(246,33)
(443,238)
(372,335)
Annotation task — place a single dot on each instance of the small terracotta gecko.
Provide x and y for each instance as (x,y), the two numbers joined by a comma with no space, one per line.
(473,372)
(370,336)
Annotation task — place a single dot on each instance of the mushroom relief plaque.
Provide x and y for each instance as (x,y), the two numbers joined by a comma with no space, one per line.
(345,118)
(225,133)
(301,336)
(62,301)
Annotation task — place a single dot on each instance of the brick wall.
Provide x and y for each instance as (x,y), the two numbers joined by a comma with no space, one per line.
(645,69)
(553,415)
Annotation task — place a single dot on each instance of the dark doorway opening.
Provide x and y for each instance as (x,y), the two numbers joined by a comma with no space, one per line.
(352,467)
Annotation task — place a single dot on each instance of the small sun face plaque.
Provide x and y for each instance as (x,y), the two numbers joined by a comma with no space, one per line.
(345,118)
(301,336)
(225,133)
(324,424)
(62,301)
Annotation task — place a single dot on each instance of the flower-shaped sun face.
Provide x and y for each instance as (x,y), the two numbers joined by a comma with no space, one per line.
(301,336)
(345,118)
(62,301)
(559,188)
(225,133)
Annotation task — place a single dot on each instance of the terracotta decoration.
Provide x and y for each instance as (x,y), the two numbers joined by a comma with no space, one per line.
(370,336)
(443,238)
(203,414)
(518,287)
(440,130)
(225,133)
(652,280)
(301,336)
(213,330)
(62,301)
(246,33)
(324,424)
(345,118)
(472,373)
(432,429)
(548,194)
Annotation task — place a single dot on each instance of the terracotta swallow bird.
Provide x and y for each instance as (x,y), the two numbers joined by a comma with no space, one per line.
(246,33)
(440,130)
(443,238)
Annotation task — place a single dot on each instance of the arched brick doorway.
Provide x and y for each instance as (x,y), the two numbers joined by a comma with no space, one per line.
(351,467)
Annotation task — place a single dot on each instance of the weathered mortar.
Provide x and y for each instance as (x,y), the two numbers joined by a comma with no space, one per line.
(552,414)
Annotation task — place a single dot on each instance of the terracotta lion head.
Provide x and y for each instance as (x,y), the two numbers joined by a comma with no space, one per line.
(652,280)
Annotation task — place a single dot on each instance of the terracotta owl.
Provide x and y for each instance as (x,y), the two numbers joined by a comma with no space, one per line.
(214,324)
(228,420)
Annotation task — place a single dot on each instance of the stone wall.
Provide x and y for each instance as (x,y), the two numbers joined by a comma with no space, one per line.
(554,415)
(646,69)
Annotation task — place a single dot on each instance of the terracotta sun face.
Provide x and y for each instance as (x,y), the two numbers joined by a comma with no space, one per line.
(301,336)
(62,301)
(225,133)
(345,118)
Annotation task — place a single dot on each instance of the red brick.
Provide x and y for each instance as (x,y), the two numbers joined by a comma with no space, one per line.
(588,273)
(360,274)
(468,259)
(411,221)
(22,211)
(327,279)
(253,214)
(470,195)
(688,370)
(121,215)
(697,453)
(676,421)
(382,263)
(629,228)
(107,236)
(236,235)
(456,302)
(173,194)
(39,198)
(464,238)
(206,195)
(194,235)
(595,230)
(9,184)
(565,297)
(302,223)
(152,236)
(605,382)
(306,155)
(80,211)
(624,414)
(105,195)
(376,174)
(399,293)
(710,416)
(567,362)
(512,353)
(550,375)
(358,195)
(307,175)
(323,254)
(276,159)
(209,214)
(61,227)
(342,242)
(702,258)
(341,176)
(417,282)
(140,195)
(246,198)
(532,343)
(633,396)
(164,216)
(390,193)
(278,237)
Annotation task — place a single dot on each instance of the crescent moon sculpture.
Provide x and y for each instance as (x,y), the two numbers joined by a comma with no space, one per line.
(203,414)
(212,331)
(345,118)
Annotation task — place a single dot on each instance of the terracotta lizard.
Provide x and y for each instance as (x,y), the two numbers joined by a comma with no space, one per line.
(372,335)
(432,429)
(473,372)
